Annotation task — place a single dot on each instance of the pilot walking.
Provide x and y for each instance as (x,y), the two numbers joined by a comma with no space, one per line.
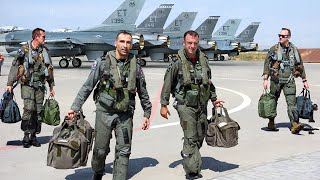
(32,67)
(188,79)
(283,64)
(118,77)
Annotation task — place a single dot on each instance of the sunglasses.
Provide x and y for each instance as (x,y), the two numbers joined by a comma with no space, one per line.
(42,36)
(283,36)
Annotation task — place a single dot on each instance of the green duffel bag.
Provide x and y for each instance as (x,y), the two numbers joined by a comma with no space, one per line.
(222,130)
(267,106)
(51,112)
(70,144)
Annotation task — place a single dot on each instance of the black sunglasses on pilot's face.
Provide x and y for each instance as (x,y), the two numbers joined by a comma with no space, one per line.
(283,36)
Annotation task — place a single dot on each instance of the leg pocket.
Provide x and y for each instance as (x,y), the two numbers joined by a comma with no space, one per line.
(289,89)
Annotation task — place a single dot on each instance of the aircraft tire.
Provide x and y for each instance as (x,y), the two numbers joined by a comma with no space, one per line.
(63,63)
(143,62)
(76,62)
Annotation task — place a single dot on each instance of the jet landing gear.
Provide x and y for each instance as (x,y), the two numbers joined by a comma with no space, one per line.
(218,57)
(64,62)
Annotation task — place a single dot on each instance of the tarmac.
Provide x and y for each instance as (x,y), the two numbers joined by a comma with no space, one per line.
(156,152)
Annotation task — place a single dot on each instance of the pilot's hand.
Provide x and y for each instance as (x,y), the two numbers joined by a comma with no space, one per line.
(52,91)
(265,84)
(164,111)
(8,88)
(306,85)
(218,103)
(146,123)
(71,114)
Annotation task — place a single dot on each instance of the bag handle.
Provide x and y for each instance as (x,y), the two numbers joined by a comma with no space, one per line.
(307,93)
(226,114)
(51,97)
(81,118)
(69,123)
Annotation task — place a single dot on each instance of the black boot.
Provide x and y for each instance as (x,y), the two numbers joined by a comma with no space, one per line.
(192,176)
(26,140)
(33,141)
(97,176)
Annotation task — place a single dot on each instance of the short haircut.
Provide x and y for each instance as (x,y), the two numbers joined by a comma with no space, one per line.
(36,32)
(191,33)
(286,29)
(123,32)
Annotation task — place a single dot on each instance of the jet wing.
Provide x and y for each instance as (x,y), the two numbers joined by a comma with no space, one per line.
(60,41)
(66,40)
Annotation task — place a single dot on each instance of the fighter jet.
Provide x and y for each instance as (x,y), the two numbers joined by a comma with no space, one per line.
(246,37)
(92,42)
(175,31)
(205,33)
(224,39)
(6,29)
(123,18)
(152,30)
(205,30)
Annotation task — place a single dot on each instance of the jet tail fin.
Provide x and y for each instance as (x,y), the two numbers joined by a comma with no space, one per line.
(123,18)
(180,25)
(228,29)
(248,34)
(206,28)
(155,21)
(126,13)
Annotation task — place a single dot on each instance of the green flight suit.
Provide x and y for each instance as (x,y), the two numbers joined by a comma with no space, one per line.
(192,110)
(109,119)
(32,85)
(273,67)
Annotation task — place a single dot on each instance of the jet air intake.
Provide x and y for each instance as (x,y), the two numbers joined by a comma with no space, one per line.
(138,41)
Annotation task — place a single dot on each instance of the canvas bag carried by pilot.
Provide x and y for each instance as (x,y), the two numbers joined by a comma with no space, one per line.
(267,105)
(51,112)
(71,143)
(222,130)
(304,105)
(9,110)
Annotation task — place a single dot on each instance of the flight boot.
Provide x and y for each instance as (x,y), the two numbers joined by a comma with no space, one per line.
(295,128)
(26,140)
(97,176)
(271,126)
(191,176)
(33,140)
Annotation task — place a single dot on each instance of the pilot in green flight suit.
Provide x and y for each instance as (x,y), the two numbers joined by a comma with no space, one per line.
(119,77)
(188,79)
(282,64)
(32,66)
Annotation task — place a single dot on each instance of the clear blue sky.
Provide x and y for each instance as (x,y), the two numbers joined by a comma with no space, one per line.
(300,16)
